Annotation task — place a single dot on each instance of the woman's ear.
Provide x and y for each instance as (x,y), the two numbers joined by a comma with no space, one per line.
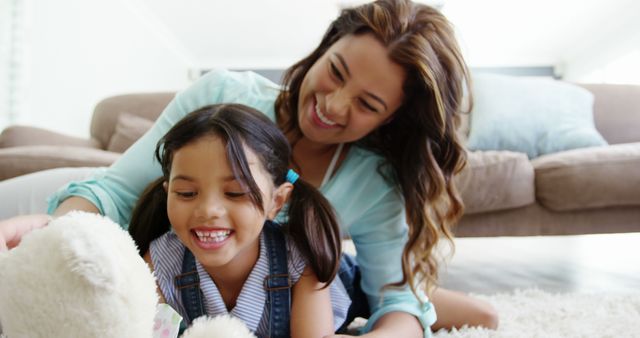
(279,198)
(165,185)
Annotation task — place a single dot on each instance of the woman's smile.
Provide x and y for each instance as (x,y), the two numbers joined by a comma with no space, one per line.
(319,118)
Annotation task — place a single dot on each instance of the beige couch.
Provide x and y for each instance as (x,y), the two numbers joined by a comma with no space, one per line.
(589,190)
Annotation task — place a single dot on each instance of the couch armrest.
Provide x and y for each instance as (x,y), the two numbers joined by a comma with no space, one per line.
(20,136)
(18,161)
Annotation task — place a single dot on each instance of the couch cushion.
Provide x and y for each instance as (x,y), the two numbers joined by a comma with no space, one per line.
(21,136)
(18,161)
(529,115)
(589,178)
(129,129)
(496,180)
(107,111)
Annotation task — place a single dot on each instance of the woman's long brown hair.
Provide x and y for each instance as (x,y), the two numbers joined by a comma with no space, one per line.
(420,143)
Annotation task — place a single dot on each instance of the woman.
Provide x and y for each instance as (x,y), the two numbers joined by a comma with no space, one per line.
(371,116)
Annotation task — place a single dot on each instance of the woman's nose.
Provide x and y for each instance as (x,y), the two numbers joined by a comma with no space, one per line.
(337,104)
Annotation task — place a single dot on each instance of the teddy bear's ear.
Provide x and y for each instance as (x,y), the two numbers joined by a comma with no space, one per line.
(225,326)
(90,262)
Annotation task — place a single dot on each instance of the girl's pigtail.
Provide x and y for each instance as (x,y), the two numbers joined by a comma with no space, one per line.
(149,219)
(313,226)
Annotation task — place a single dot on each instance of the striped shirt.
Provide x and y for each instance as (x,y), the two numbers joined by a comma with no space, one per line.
(167,253)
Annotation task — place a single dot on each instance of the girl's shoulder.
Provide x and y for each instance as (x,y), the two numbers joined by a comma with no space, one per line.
(296,261)
(166,253)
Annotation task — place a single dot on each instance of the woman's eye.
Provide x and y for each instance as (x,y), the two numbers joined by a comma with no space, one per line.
(368,106)
(186,194)
(336,72)
(233,194)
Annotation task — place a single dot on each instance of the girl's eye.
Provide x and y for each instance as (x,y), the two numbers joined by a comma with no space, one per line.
(233,194)
(186,194)
(368,106)
(335,72)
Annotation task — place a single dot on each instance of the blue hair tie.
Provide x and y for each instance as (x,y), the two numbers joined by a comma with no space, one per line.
(292,176)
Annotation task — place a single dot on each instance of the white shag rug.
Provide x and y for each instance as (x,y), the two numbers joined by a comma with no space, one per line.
(535,313)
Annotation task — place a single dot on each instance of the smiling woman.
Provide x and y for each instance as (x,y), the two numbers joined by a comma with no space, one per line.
(349,91)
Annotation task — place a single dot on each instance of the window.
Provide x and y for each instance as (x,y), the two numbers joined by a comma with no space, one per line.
(12,58)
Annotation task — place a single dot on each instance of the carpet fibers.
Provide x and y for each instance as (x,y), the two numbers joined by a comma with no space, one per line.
(535,313)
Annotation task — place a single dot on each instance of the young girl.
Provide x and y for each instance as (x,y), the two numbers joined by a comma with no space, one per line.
(205,227)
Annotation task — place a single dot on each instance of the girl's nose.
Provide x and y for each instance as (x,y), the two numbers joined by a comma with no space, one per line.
(211,207)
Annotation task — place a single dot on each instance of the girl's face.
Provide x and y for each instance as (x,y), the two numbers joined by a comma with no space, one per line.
(210,211)
(351,90)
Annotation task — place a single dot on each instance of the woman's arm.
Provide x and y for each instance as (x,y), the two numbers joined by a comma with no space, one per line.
(375,219)
(311,312)
(392,325)
(115,190)
(75,203)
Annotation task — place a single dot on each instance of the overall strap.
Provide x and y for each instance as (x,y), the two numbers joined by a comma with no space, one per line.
(278,283)
(188,283)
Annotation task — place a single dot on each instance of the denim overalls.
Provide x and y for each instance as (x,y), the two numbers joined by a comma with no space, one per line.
(277,285)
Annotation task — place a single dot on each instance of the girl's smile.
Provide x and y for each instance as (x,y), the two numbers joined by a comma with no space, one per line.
(211,239)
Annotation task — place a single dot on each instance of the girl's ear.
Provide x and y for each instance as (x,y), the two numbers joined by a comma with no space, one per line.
(279,198)
(165,185)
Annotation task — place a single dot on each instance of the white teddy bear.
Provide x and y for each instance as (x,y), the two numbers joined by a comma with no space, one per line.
(81,276)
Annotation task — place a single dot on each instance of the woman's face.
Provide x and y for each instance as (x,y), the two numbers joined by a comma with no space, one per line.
(351,90)
(209,210)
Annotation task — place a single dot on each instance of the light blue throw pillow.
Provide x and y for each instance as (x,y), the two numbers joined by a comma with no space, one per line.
(535,116)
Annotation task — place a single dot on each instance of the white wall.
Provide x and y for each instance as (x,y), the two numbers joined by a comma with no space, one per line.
(608,54)
(80,51)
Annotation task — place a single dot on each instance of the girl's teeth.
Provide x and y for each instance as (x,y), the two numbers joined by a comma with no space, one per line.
(323,118)
(213,236)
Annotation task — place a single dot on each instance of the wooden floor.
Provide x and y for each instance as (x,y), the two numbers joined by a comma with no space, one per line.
(585,263)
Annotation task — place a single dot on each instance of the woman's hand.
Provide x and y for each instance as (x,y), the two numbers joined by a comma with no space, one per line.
(391,325)
(13,229)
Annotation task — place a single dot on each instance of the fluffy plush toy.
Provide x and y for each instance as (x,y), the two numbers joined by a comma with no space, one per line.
(81,276)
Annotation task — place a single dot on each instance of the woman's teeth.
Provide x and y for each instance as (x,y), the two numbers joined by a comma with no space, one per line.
(212,236)
(323,118)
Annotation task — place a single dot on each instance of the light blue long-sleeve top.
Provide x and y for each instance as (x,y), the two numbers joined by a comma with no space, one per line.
(370,209)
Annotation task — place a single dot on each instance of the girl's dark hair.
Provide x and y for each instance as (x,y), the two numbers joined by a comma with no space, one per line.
(420,143)
(311,221)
